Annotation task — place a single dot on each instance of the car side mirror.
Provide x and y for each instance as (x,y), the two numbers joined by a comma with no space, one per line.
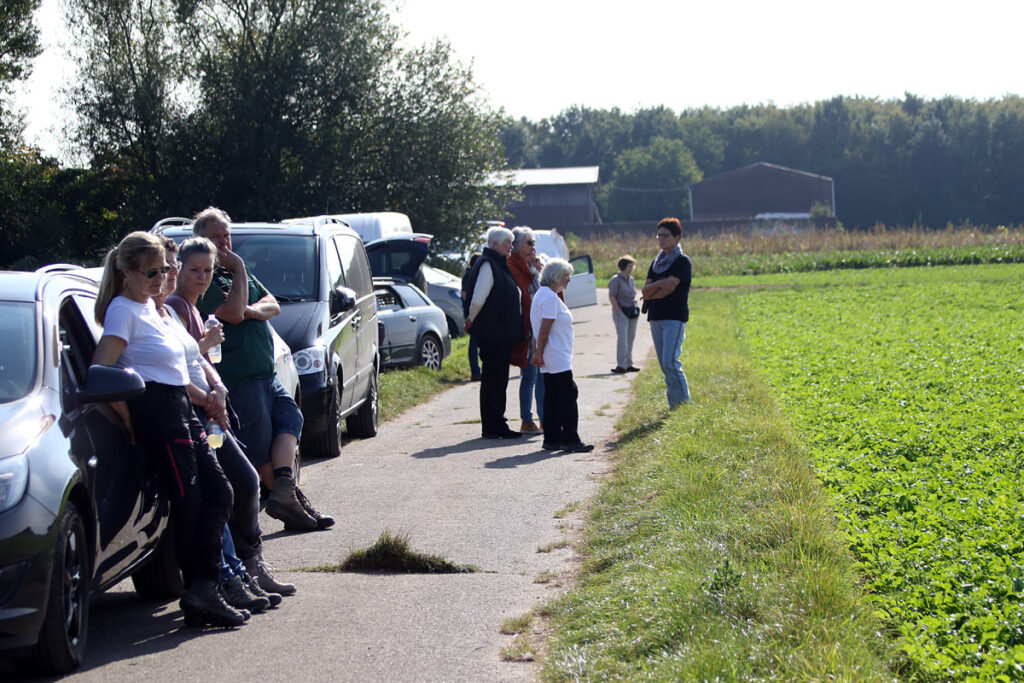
(105,383)
(342,299)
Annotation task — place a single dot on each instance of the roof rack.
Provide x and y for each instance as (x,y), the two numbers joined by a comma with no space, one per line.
(170,222)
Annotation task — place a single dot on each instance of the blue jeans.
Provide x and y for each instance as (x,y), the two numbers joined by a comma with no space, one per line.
(531,386)
(264,410)
(230,565)
(474,356)
(668,338)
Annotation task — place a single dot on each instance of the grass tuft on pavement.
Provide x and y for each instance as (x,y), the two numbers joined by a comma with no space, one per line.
(712,552)
(392,553)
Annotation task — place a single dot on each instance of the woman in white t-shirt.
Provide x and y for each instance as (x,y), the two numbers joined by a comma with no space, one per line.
(551,323)
(163,422)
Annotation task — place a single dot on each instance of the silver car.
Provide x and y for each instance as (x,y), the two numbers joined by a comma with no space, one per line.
(413,331)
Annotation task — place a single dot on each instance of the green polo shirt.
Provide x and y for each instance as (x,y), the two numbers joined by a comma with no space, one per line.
(248,347)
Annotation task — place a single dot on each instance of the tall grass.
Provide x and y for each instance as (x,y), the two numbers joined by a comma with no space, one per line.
(713,554)
(743,254)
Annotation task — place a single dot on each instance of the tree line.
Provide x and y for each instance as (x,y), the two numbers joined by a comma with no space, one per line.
(267,108)
(897,162)
(282,108)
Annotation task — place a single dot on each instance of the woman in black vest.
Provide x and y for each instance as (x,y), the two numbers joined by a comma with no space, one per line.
(496,319)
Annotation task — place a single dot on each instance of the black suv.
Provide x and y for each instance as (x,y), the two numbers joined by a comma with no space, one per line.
(318,271)
(79,509)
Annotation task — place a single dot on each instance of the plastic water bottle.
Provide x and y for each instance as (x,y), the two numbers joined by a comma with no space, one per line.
(214,352)
(214,435)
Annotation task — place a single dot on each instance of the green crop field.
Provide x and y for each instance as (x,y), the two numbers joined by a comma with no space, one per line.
(906,386)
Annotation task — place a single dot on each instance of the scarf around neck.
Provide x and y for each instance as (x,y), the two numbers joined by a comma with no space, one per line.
(662,263)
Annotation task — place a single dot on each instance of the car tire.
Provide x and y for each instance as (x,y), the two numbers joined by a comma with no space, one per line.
(327,444)
(429,352)
(159,578)
(61,643)
(363,422)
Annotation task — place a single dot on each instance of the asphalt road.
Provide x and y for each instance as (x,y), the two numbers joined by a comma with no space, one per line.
(427,474)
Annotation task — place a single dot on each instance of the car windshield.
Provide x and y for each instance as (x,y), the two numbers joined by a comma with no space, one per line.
(285,264)
(18,352)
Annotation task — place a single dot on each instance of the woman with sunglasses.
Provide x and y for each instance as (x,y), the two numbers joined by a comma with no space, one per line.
(163,421)
(665,294)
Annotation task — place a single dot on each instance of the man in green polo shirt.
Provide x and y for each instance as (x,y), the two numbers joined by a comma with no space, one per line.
(270,421)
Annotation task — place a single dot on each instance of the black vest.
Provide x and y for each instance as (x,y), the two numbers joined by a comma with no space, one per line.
(501,318)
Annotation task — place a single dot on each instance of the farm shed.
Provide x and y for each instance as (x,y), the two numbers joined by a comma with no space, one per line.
(760,190)
(552,197)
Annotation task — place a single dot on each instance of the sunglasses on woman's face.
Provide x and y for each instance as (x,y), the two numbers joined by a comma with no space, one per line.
(150,274)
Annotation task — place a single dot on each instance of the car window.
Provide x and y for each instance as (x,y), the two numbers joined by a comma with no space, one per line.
(411,297)
(388,300)
(335,273)
(77,341)
(18,352)
(286,264)
(353,260)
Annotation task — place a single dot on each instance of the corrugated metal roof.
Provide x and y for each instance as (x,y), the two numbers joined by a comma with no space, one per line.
(573,175)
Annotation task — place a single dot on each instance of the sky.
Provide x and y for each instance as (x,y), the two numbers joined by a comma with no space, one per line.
(535,58)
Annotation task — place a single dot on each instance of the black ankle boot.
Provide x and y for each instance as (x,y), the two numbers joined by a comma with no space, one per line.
(204,604)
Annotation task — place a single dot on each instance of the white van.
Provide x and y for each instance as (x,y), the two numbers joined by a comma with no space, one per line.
(582,289)
(373,226)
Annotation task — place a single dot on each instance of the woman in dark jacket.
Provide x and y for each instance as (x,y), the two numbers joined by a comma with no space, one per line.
(495,317)
(665,294)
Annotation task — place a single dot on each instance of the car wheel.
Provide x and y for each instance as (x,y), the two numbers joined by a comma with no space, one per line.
(159,578)
(61,644)
(363,422)
(429,353)
(328,443)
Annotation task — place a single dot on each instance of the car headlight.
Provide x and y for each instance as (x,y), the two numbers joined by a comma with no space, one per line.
(13,480)
(311,360)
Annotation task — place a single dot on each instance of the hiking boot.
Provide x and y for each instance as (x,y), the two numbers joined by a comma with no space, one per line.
(254,587)
(204,604)
(238,595)
(322,521)
(263,576)
(283,505)
(529,427)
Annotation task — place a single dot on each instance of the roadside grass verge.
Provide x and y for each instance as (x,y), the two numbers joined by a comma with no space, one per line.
(712,553)
(392,553)
(403,388)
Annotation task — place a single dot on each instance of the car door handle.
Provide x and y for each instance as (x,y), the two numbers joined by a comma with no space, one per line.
(412,318)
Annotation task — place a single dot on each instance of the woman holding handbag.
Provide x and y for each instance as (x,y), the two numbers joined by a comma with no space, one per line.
(622,295)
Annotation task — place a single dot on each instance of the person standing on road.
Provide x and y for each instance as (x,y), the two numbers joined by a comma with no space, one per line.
(665,295)
(163,422)
(622,296)
(525,267)
(474,349)
(496,318)
(270,423)
(551,322)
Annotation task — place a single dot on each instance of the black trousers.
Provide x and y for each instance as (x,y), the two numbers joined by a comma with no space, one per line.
(189,474)
(244,523)
(494,358)
(561,414)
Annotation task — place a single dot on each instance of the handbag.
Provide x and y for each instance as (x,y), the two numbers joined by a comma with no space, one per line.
(631,311)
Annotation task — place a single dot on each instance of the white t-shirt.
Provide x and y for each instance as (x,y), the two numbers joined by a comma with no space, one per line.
(196,371)
(152,351)
(558,350)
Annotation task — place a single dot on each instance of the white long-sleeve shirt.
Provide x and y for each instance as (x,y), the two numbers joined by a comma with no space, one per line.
(484,283)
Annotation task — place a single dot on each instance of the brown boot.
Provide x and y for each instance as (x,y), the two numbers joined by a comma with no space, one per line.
(529,427)
(283,505)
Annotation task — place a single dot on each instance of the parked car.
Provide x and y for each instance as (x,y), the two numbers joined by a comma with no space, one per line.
(415,331)
(401,257)
(318,270)
(374,226)
(79,508)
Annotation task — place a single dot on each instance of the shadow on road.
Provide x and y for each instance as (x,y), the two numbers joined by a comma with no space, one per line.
(477,444)
(524,459)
